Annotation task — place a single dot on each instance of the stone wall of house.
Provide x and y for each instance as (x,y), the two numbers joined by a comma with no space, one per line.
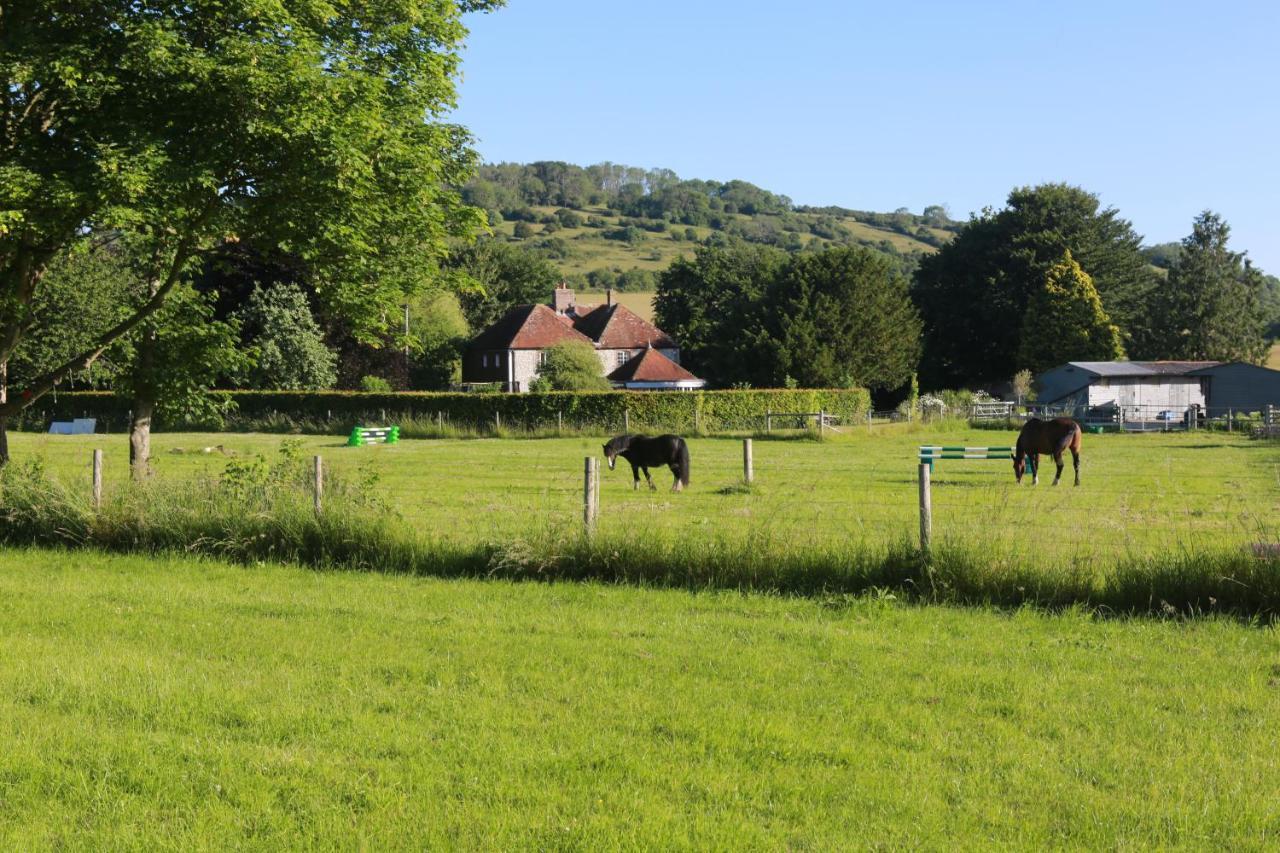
(525,363)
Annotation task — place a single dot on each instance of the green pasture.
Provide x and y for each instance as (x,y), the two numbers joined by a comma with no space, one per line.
(180,703)
(1141,494)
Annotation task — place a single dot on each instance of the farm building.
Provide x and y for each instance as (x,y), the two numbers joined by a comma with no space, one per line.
(1241,387)
(1171,386)
(1158,385)
(511,351)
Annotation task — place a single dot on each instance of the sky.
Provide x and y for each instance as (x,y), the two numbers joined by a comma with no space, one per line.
(1161,109)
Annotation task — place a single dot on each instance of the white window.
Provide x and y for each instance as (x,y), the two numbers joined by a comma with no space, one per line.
(622,357)
(497,359)
(542,357)
(484,360)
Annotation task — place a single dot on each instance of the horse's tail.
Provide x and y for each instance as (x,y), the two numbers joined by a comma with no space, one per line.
(682,451)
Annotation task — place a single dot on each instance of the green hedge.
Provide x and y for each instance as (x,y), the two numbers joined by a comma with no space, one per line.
(338,411)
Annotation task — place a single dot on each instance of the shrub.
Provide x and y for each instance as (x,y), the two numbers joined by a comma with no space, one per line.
(374,384)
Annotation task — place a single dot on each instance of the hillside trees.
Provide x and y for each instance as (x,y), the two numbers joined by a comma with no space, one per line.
(1065,321)
(836,318)
(130,116)
(1211,306)
(973,294)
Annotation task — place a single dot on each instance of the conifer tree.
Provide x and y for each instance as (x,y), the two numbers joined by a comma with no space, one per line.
(1065,321)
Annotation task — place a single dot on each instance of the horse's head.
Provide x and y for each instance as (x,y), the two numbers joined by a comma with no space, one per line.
(611,454)
(1019,465)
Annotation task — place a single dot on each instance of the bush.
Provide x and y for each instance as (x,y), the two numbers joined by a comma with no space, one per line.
(374,384)
(522,231)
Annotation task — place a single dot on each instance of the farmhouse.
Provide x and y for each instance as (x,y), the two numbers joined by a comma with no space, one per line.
(1173,386)
(633,352)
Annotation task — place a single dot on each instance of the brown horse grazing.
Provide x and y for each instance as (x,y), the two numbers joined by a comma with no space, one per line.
(1052,437)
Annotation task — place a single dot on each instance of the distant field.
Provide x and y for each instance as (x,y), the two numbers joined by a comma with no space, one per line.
(189,704)
(1273,361)
(1141,493)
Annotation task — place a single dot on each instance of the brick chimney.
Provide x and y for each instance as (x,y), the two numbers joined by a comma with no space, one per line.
(608,296)
(562,299)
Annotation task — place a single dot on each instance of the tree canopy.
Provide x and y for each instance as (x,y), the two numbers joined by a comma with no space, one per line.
(1211,306)
(973,294)
(290,354)
(314,128)
(1065,321)
(749,315)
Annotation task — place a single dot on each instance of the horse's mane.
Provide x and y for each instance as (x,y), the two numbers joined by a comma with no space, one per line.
(620,443)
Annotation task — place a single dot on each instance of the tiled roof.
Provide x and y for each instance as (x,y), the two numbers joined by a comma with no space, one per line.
(1141,368)
(618,327)
(527,327)
(651,366)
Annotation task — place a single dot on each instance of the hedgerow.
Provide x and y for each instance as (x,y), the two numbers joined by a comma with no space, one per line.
(330,411)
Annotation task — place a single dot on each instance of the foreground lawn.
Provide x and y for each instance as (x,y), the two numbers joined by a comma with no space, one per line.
(1141,493)
(185,704)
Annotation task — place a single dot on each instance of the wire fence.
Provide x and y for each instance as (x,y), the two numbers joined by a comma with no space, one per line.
(1187,492)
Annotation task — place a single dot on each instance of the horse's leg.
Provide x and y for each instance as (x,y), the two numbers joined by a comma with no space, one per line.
(1035,469)
(649,479)
(635,477)
(1057,460)
(1075,460)
(675,472)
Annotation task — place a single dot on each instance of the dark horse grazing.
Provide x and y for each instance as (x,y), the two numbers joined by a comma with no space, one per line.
(644,452)
(1052,437)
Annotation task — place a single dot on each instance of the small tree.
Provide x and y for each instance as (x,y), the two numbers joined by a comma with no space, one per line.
(522,231)
(290,346)
(1065,321)
(1022,385)
(571,366)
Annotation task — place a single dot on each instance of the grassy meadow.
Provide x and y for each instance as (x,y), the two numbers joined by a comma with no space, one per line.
(184,703)
(1141,494)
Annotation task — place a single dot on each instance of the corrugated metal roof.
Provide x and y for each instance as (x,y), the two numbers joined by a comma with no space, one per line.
(1140,368)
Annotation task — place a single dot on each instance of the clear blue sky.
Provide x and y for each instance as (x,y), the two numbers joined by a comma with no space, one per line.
(1162,109)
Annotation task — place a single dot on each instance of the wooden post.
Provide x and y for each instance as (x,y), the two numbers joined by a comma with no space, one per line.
(768,421)
(1230,419)
(626,420)
(590,494)
(440,422)
(822,422)
(926,509)
(319,484)
(748,465)
(497,421)
(697,418)
(560,422)
(97,480)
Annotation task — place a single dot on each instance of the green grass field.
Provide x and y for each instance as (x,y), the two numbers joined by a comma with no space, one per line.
(1273,360)
(640,302)
(190,704)
(1141,494)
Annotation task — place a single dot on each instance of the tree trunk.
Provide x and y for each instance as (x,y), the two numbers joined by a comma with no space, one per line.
(4,421)
(140,436)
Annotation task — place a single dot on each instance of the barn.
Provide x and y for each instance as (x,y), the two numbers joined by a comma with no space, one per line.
(1143,385)
(1241,387)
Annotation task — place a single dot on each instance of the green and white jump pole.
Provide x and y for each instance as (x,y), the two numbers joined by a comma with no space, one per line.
(932,453)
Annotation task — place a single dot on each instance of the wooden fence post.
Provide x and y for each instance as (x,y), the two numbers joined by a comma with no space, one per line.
(926,509)
(97,480)
(626,420)
(560,422)
(697,419)
(319,484)
(748,464)
(822,422)
(497,421)
(768,421)
(590,494)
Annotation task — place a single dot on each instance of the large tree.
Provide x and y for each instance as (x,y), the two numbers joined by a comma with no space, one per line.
(492,277)
(1210,307)
(309,126)
(756,316)
(973,293)
(842,318)
(709,304)
(1065,321)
